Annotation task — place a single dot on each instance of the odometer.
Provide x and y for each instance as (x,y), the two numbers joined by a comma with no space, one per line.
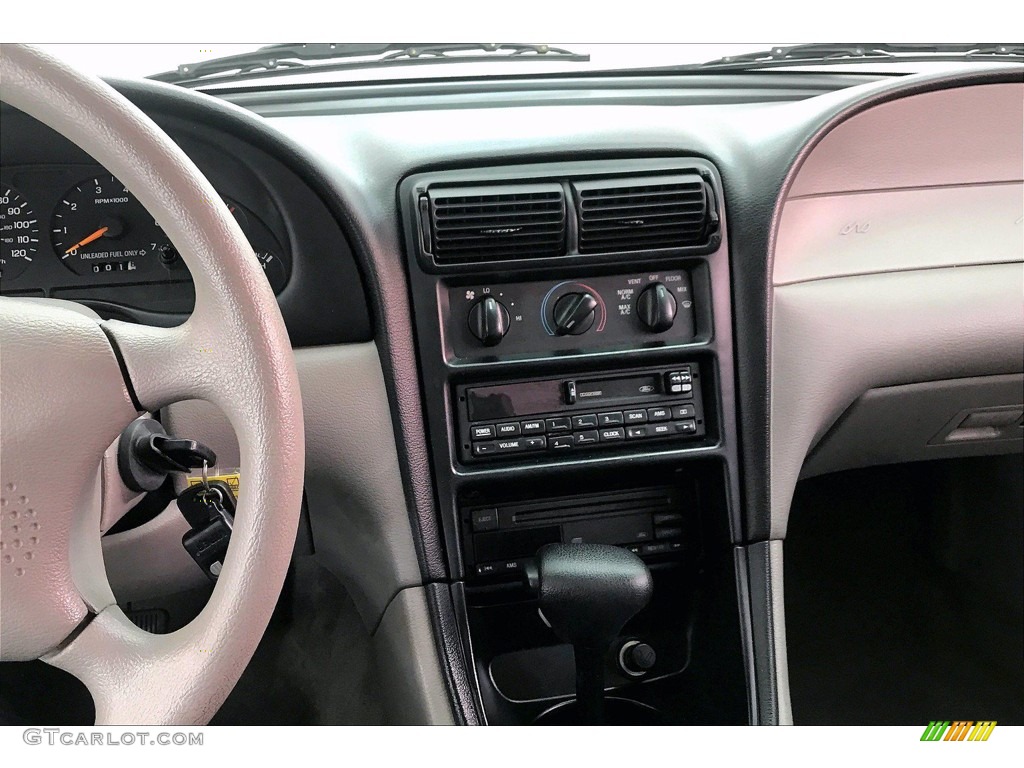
(99,228)
(19,233)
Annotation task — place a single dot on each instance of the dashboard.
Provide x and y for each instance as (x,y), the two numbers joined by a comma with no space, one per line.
(543,313)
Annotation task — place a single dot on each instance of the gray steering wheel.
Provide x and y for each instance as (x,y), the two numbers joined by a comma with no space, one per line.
(69,383)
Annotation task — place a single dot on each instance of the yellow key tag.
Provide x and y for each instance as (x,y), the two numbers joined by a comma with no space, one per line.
(229,475)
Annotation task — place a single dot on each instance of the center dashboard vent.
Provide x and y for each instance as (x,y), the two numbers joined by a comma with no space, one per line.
(484,223)
(641,213)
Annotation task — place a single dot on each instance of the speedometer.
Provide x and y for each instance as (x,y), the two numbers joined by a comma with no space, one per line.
(100,228)
(19,233)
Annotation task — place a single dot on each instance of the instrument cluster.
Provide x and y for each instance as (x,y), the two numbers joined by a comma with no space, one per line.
(73,227)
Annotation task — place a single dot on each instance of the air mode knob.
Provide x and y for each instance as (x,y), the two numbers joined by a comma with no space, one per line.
(656,307)
(574,313)
(488,321)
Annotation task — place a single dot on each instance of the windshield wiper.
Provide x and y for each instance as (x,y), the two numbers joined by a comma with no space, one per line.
(834,53)
(290,57)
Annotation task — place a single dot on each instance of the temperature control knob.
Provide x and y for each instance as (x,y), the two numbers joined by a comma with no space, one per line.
(656,307)
(488,321)
(574,313)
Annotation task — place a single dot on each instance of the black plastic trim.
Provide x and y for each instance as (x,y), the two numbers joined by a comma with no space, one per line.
(454,664)
(743,602)
(757,562)
(504,178)
(112,340)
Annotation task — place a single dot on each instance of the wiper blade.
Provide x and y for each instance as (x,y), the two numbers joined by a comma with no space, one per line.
(831,53)
(274,59)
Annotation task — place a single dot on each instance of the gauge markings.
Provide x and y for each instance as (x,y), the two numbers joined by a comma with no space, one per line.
(19,234)
(101,229)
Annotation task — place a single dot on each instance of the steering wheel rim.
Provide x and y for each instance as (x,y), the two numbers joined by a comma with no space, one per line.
(233,352)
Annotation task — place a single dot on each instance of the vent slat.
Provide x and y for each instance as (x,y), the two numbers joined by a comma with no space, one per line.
(513,219)
(642,220)
(644,193)
(624,204)
(641,213)
(624,238)
(597,222)
(588,190)
(611,234)
(533,239)
(471,224)
(505,201)
(644,231)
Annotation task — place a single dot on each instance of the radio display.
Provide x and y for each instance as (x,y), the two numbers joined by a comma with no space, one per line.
(507,400)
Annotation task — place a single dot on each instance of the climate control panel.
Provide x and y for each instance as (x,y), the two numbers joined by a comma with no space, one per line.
(604,312)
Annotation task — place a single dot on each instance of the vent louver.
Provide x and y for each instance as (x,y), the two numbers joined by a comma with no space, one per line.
(473,224)
(643,213)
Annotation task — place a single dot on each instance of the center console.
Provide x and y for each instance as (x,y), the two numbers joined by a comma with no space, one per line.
(574,333)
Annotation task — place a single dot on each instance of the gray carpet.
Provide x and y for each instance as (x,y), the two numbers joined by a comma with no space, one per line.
(904,595)
(313,666)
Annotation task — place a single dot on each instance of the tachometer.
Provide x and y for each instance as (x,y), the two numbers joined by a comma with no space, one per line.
(100,228)
(19,233)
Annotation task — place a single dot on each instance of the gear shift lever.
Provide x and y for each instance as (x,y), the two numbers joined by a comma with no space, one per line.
(587,592)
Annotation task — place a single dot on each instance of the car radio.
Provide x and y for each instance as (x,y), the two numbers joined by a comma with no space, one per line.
(588,412)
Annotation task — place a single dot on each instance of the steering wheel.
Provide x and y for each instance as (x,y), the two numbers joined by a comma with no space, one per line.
(70,383)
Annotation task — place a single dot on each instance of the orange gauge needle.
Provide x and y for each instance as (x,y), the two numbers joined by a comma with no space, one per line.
(86,240)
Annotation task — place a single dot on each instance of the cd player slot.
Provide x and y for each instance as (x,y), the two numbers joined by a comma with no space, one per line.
(594,505)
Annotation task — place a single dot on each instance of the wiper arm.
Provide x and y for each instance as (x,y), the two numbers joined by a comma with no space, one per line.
(273,59)
(798,55)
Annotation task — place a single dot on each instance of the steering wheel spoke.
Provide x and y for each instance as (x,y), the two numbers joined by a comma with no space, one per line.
(134,677)
(166,365)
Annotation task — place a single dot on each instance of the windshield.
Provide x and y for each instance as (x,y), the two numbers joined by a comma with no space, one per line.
(136,60)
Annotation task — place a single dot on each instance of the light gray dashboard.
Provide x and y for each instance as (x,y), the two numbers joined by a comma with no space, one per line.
(898,260)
